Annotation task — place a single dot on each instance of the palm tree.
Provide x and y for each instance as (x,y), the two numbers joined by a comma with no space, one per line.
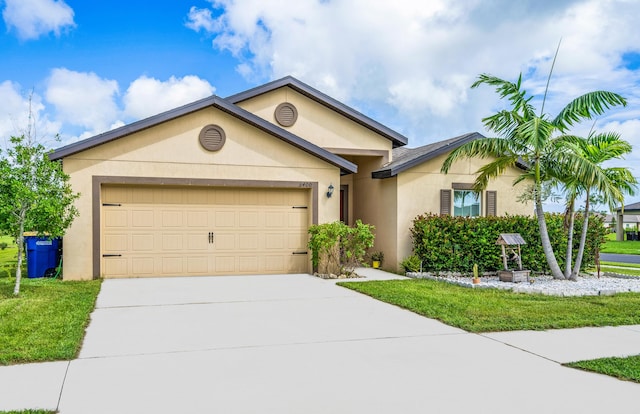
(611,184)
(534,142)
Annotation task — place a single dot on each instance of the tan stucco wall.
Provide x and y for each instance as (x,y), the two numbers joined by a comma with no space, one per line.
(172,150)
(374,202)
(317,123)
(419,193)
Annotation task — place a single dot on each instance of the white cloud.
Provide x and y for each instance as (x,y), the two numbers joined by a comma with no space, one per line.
(413,62)
(34,18)
(83,99)
(15,108)
(200,19)
(148,96)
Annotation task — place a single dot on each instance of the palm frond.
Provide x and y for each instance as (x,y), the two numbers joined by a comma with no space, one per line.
(586,107)
(480,148)
(492,170)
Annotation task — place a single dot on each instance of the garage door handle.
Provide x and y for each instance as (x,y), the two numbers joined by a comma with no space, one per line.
(111,255)
(300,253)
(211,237)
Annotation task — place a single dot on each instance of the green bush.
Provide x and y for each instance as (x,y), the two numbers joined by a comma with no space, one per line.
(337,248)
(3,245)
(446,243)
(411,264)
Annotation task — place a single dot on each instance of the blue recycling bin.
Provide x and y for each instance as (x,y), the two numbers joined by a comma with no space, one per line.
(42,255)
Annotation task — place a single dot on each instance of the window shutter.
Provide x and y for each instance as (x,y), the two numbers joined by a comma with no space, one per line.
(445,202)
(492,209)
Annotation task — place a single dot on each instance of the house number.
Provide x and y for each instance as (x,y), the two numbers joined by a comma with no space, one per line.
(306,185)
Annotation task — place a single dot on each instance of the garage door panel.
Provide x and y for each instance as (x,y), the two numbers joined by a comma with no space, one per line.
(115,242)
(142,218)
(116,267)
(274,241)
(143,266)
(198,218)
(203,231)
(275,219)
(197,241)
(249,219)
(297,241)
(225,219)
(172,242)
(248,241)
(172,218)
(173,265)
(142,242)
(116,218)
(225,241)
(248,264)
(197,264)
(225,264)
(297,219)
(275,264)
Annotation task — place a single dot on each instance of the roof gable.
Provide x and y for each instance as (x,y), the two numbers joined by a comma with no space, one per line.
(345,166)
(325,100)
(405,158)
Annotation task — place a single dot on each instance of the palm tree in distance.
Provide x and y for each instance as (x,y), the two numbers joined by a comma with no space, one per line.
(535,142)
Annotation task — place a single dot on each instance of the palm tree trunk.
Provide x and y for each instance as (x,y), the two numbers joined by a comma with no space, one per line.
(583,241)
(568,257)
(556,272)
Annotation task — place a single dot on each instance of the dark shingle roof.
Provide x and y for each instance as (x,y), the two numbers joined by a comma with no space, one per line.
(216,102)
(323,99)
(631,208)
(405,158)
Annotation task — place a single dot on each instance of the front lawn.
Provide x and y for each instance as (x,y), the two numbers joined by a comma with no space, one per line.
(623,368)
(46,322)
(620,247)
(490,310)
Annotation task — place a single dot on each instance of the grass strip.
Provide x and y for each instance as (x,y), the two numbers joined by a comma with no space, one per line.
(29,412)
(618,264)
(492,310)
(621,247)
(627,369)
(47,321)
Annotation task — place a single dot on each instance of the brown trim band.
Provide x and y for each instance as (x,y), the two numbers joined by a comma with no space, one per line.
(99,180)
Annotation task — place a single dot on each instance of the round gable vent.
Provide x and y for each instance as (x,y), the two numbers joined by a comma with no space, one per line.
(286,114)
(212,137)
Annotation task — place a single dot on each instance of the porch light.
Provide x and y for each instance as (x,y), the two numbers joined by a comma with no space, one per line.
(330,191)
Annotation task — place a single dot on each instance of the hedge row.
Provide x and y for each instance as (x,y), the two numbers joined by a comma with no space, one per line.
(446,243)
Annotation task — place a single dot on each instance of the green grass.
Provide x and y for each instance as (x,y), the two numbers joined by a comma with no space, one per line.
(620,247)
(617,264)
(623,368)
(491,310)
(29,412)
(46,322)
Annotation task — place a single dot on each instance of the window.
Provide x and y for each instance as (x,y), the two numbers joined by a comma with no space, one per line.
(466,203)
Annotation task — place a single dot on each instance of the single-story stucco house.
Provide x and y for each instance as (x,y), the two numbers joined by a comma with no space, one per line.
(230,186)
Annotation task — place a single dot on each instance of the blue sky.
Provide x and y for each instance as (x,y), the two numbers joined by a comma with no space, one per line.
(92,66)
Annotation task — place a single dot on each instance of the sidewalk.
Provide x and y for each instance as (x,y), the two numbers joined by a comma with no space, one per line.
(298,342)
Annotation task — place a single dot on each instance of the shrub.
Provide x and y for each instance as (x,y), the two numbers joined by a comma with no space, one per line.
(411,264)
(3,245)
(337,248)
(445,243)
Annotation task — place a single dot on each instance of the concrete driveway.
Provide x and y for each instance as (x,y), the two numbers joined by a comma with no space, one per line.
(299,344)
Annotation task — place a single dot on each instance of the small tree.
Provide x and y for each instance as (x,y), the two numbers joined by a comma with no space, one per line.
(35,195)
(337,248)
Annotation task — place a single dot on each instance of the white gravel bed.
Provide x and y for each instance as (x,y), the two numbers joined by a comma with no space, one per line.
(608,284)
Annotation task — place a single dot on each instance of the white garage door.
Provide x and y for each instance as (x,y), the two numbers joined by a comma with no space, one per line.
(176,231)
